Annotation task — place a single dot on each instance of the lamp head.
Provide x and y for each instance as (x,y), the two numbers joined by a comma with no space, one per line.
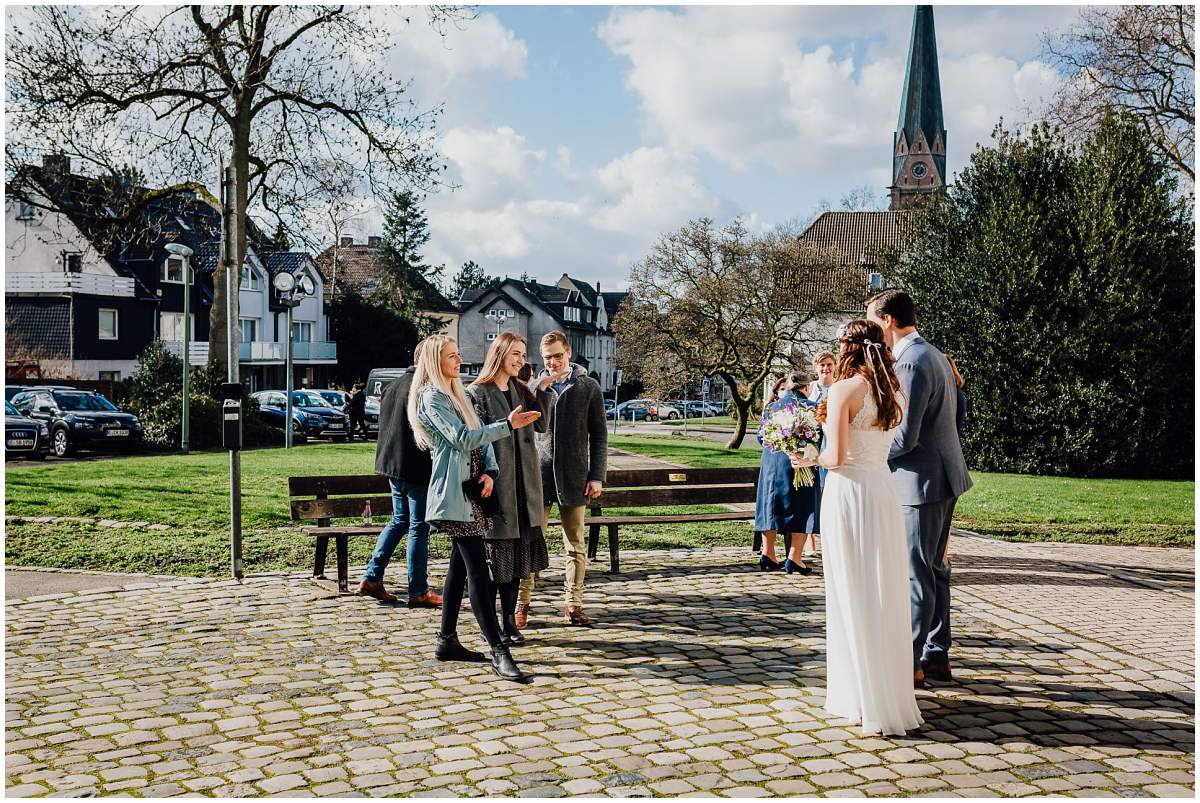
(308,285)
(179,250)
(284,282)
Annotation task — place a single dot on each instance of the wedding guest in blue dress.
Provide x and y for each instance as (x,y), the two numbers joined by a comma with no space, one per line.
(780,508)
(825,367)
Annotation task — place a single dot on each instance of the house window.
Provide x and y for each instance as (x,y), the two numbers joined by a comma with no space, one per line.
(173,271)
(170,326)
(301,332)
(248,328)
(249,278)
(491,336)
(510,313)
(108,324)
(73,263)
(110,376)
(25,211)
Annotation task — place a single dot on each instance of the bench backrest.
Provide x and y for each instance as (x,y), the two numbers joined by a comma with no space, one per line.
(352,491)
(660,487)
(344,497)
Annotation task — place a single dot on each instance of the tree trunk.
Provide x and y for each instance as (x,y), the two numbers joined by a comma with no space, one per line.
(218,342)
(743,420)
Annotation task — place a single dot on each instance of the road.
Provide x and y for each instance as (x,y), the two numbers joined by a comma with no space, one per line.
(716,434)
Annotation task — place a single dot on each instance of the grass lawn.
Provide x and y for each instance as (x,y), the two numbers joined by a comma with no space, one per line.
(191,494)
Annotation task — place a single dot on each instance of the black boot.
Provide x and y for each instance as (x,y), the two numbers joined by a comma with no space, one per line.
(510,632)
(449,649)
(504,665)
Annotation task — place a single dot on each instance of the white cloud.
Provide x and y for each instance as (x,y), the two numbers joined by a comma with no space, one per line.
(489,164)
(785,87)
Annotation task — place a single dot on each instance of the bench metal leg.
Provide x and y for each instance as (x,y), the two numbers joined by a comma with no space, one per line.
(593,540)
(343,563)
(757,542)
(319,562)
(614,557)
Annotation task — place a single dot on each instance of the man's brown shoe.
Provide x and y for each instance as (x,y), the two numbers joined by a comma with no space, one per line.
(522,615)
(918,679)
(367,588)
(574,616)
(937,670)
(430,599)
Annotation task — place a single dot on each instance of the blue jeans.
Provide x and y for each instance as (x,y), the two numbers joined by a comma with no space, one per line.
(408,514)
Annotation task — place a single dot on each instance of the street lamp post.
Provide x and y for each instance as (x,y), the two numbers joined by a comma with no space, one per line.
(185,253)
(291,294)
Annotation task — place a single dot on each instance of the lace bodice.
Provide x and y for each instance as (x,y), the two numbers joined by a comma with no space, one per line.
(869,445)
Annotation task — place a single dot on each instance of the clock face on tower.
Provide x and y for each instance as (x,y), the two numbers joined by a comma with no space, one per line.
(919,170)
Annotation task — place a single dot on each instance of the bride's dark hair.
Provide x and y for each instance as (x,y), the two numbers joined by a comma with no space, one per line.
(864,353)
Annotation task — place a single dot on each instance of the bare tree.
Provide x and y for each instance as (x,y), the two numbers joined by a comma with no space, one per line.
(1140,59)
(275,91)
(860,199)
(708,302)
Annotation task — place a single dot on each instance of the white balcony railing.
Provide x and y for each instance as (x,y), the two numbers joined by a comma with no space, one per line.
(197,351)
(97,284)
(263,351)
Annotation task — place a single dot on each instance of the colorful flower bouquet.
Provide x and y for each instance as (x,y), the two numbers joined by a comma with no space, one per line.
(792,429)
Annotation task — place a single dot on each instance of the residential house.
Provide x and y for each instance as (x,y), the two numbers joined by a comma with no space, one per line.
(532,309)
(356,267)
(87,289)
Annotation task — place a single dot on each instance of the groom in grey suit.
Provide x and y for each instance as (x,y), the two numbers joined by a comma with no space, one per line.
(930,474)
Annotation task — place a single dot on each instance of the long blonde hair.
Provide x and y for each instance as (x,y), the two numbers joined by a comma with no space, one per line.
(429,372)
(494,363)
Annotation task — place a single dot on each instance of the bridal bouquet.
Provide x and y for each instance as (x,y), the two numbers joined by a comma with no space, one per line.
(792,429)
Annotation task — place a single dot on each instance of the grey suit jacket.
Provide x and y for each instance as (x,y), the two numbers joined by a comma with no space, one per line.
(926,457)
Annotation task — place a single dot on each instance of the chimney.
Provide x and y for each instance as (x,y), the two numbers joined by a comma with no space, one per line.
(57,163)
(597,285)
(374,242)
(347,240)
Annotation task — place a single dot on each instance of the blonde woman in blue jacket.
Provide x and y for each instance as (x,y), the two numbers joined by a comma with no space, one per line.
(444,422)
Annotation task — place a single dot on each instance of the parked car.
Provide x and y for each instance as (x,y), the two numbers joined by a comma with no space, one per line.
(634,410)
(312,415)
(609,404)
(338,399)
(23,436)
(701,409)
(379,379)
(663,411)
(79,419)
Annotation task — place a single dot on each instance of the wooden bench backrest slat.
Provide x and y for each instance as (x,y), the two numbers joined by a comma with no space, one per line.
(683,495)
(641,477)
(345,507)
(327,486)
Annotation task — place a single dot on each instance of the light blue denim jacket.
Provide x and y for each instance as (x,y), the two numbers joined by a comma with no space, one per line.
(451,454)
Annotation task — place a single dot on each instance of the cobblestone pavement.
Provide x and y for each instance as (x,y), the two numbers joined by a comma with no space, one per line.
(702,677)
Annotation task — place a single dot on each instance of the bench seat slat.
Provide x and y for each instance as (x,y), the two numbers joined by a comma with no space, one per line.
(677,518)
(326,486)
(318,532)
(643,477)
(345,507)
(679,495)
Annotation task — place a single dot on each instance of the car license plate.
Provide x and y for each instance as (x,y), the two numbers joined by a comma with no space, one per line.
(117,433)
(20,443)
(335,426)
(372,427)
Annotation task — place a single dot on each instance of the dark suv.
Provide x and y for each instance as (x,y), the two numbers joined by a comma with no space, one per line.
(79,419)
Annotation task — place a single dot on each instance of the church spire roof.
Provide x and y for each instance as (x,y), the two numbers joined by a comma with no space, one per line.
(919,147)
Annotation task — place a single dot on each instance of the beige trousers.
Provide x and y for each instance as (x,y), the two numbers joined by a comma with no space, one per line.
(576,549)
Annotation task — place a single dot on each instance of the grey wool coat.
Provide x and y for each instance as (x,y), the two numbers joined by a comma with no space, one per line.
(926,457)
(575,449)
(493,405)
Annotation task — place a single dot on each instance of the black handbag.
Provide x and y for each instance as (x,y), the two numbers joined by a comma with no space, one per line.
(473,490)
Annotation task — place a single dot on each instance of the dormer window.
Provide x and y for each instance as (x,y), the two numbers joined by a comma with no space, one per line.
(249,279)
(25,211)
(73,263)
(173,271)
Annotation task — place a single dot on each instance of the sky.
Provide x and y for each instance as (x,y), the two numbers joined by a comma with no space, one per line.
(577,136)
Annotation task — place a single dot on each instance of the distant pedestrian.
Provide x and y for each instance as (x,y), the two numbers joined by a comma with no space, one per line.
(356,408)
(781,507)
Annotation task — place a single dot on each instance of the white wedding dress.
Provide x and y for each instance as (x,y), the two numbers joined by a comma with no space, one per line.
(868,638)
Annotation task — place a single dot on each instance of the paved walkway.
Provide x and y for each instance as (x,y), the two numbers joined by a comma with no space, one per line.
(703,677)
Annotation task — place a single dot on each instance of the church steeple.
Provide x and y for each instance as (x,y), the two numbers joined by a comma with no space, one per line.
(919,144)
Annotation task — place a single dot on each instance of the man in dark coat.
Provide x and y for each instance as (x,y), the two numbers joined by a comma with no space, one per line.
(356,409)
(407,469)
(574,456)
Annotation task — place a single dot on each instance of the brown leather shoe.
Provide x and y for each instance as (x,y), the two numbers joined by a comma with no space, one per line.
(918,679)
(368,588)
(937,670)
(430,599)
(522,614)
(574,616)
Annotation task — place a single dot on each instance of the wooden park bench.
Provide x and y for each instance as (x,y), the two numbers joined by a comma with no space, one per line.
(663,487)
(322,499)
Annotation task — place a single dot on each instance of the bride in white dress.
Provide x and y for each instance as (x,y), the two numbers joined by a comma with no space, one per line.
(868,639)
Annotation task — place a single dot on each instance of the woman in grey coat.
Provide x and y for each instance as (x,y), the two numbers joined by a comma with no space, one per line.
(516,543)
